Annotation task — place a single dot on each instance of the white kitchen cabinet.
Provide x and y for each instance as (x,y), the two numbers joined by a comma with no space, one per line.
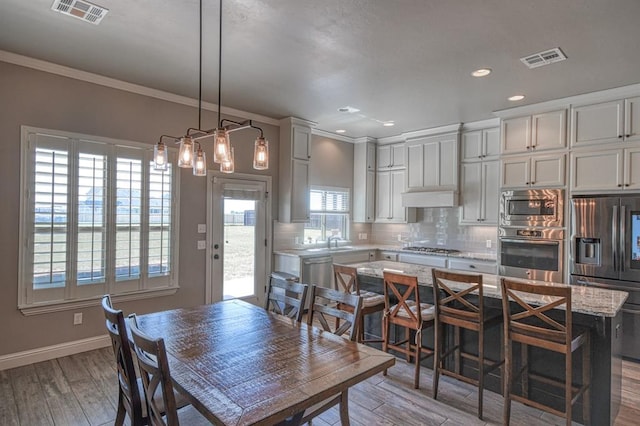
(355,256)
(480,144)
(391,156)
(615,169)
(533,171)
(364,181)
(389,189)
(480,192)
(423,259)
(432,163)
(295,155)
(474,265)
(534,133)
(387,255)
(605,122)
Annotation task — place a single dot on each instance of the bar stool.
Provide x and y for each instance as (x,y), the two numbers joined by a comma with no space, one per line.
(346,278)
(529,324)
(459,303)
(409,313)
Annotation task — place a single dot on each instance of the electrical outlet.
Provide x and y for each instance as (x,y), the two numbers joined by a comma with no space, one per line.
(77,318)
(489,244)
(363,235)
(399,237)
(202,228)
(202,244)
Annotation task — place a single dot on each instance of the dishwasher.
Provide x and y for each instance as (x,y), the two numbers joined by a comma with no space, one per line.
(317,271)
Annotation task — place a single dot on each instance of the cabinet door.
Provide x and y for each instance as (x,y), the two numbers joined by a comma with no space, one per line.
(471,192)
(515,172)
(383,157)
(490,192)
(632,119)
(632,168)
(300,191)
(448,163)
(516,135)
(597,124)
(397,188)
(416,165)
(397,155)
(547,170)
(549,130)
(491,142)
(596,170)
(301,149)
(472,145)
(383,194)
(370,202)
(371,157)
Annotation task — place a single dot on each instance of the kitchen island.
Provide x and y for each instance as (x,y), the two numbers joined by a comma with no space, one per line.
(599,310)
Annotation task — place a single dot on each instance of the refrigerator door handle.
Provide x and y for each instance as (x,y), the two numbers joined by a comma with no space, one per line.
(614,237)
(622,242)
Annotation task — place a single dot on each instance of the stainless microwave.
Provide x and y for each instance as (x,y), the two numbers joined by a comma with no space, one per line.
(532,207)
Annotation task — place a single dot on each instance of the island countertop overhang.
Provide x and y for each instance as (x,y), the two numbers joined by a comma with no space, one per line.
(585,300)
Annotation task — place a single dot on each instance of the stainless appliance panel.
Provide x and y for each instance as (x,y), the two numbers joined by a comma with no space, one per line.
(318,271)
(629,239)
(532,208)
(532,259)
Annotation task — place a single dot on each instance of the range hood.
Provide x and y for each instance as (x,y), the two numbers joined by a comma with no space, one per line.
(430,199)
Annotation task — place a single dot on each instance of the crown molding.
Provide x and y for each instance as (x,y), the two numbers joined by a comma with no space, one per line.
(112,83)
(484,124)
(331,135)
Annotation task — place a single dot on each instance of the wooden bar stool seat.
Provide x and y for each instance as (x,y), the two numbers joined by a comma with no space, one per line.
(408,313)
(531,324)
(346,278)
(459,304)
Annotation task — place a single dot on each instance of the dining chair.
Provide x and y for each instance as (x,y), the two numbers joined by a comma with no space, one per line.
(408,313)
(346,278)
(157,384)
(129,392)
(286,297)
(547,325)
(322,308)
(459,304)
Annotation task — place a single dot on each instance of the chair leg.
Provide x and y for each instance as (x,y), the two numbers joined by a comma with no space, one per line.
(437,355)
(416,377)
(506,413)
(524,357)
(456,343)
(344,408)
(361,331)
(122,412)
(568,393)
(480,370)
(407,335)
(385,339)
(586,381)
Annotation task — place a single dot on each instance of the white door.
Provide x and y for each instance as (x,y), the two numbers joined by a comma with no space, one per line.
(238,240)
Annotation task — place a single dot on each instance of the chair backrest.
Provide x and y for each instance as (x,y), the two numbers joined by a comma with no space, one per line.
(285,297)
(127,379)
(156,377)
(346,278)
(530,323)
(404,289)
(325,302)
(458,298)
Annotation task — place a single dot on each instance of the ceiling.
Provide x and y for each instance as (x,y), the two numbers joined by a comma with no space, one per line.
(407,61)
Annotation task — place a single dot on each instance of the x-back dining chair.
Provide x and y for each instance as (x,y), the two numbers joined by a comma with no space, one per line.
(286,297)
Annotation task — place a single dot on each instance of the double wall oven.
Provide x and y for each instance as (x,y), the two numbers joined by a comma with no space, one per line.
(531,234)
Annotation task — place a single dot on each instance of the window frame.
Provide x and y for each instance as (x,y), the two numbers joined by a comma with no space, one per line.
(325,212)
(75,294)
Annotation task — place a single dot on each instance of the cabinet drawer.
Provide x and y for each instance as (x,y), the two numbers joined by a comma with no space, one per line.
(473,266)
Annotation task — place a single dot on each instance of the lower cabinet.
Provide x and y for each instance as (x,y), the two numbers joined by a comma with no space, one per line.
(473,265)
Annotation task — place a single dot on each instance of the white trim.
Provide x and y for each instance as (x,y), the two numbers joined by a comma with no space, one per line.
(331,135)
(479,125)
(416,134)
(101,80)
(46,353)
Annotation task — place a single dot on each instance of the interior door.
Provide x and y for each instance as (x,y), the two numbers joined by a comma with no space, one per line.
(238,244)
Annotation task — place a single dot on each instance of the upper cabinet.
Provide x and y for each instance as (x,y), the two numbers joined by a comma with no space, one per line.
(605,122)
(295,155)
(617,169)
(533,171)
(480,192)
(389,189)
(364,181)
(432,163)
(391,156)
(534,133)
(480,144)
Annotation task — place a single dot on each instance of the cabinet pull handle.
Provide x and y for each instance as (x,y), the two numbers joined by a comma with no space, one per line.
(472,266)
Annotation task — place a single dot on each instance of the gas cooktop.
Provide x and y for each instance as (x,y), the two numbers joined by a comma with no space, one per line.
(431,250)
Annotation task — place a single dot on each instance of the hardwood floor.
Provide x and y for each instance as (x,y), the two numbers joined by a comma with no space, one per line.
(81,390)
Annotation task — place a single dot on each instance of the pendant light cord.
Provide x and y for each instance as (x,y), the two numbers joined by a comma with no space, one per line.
(220,66)
(200,74)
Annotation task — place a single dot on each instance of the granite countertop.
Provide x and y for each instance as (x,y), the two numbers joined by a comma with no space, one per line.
(585,300)
(323,251)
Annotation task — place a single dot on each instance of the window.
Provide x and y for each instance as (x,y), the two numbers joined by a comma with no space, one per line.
(329,214)
(96,218)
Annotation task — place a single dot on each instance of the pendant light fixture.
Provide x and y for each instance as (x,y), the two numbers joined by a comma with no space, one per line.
(191,153)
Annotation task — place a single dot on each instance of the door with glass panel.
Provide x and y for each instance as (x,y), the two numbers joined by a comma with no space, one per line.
(238,243)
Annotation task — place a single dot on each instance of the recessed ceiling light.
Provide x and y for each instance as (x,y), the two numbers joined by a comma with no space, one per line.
(388,124)
(348,109)
(341,131)
(516,98)
(482,72)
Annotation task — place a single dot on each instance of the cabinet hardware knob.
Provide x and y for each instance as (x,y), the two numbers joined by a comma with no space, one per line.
(532,183)
(627,136)
(619,185)
(215,256)
(527,183)
(528,147)
(627,184)
(472,266)
(620,136)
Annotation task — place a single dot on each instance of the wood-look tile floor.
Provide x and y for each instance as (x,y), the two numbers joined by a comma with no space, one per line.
(81,390)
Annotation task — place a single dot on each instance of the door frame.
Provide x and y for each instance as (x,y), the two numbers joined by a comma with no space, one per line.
(211,178)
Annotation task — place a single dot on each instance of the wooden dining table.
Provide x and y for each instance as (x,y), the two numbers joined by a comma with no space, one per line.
(239,364)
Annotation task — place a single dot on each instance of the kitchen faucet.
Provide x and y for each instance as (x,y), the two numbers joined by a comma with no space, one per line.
(333,238)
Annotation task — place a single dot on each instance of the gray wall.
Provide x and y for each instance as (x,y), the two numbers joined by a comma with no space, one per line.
(39,99)
(331,162)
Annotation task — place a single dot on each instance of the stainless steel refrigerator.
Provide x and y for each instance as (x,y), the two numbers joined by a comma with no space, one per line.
(605,252)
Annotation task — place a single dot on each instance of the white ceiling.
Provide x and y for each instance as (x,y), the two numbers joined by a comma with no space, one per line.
(406,60)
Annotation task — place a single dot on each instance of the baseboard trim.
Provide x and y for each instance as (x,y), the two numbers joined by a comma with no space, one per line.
(46,353)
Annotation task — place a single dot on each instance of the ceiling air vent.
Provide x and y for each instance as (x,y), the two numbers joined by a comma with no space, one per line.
(80,9)
(544,58)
